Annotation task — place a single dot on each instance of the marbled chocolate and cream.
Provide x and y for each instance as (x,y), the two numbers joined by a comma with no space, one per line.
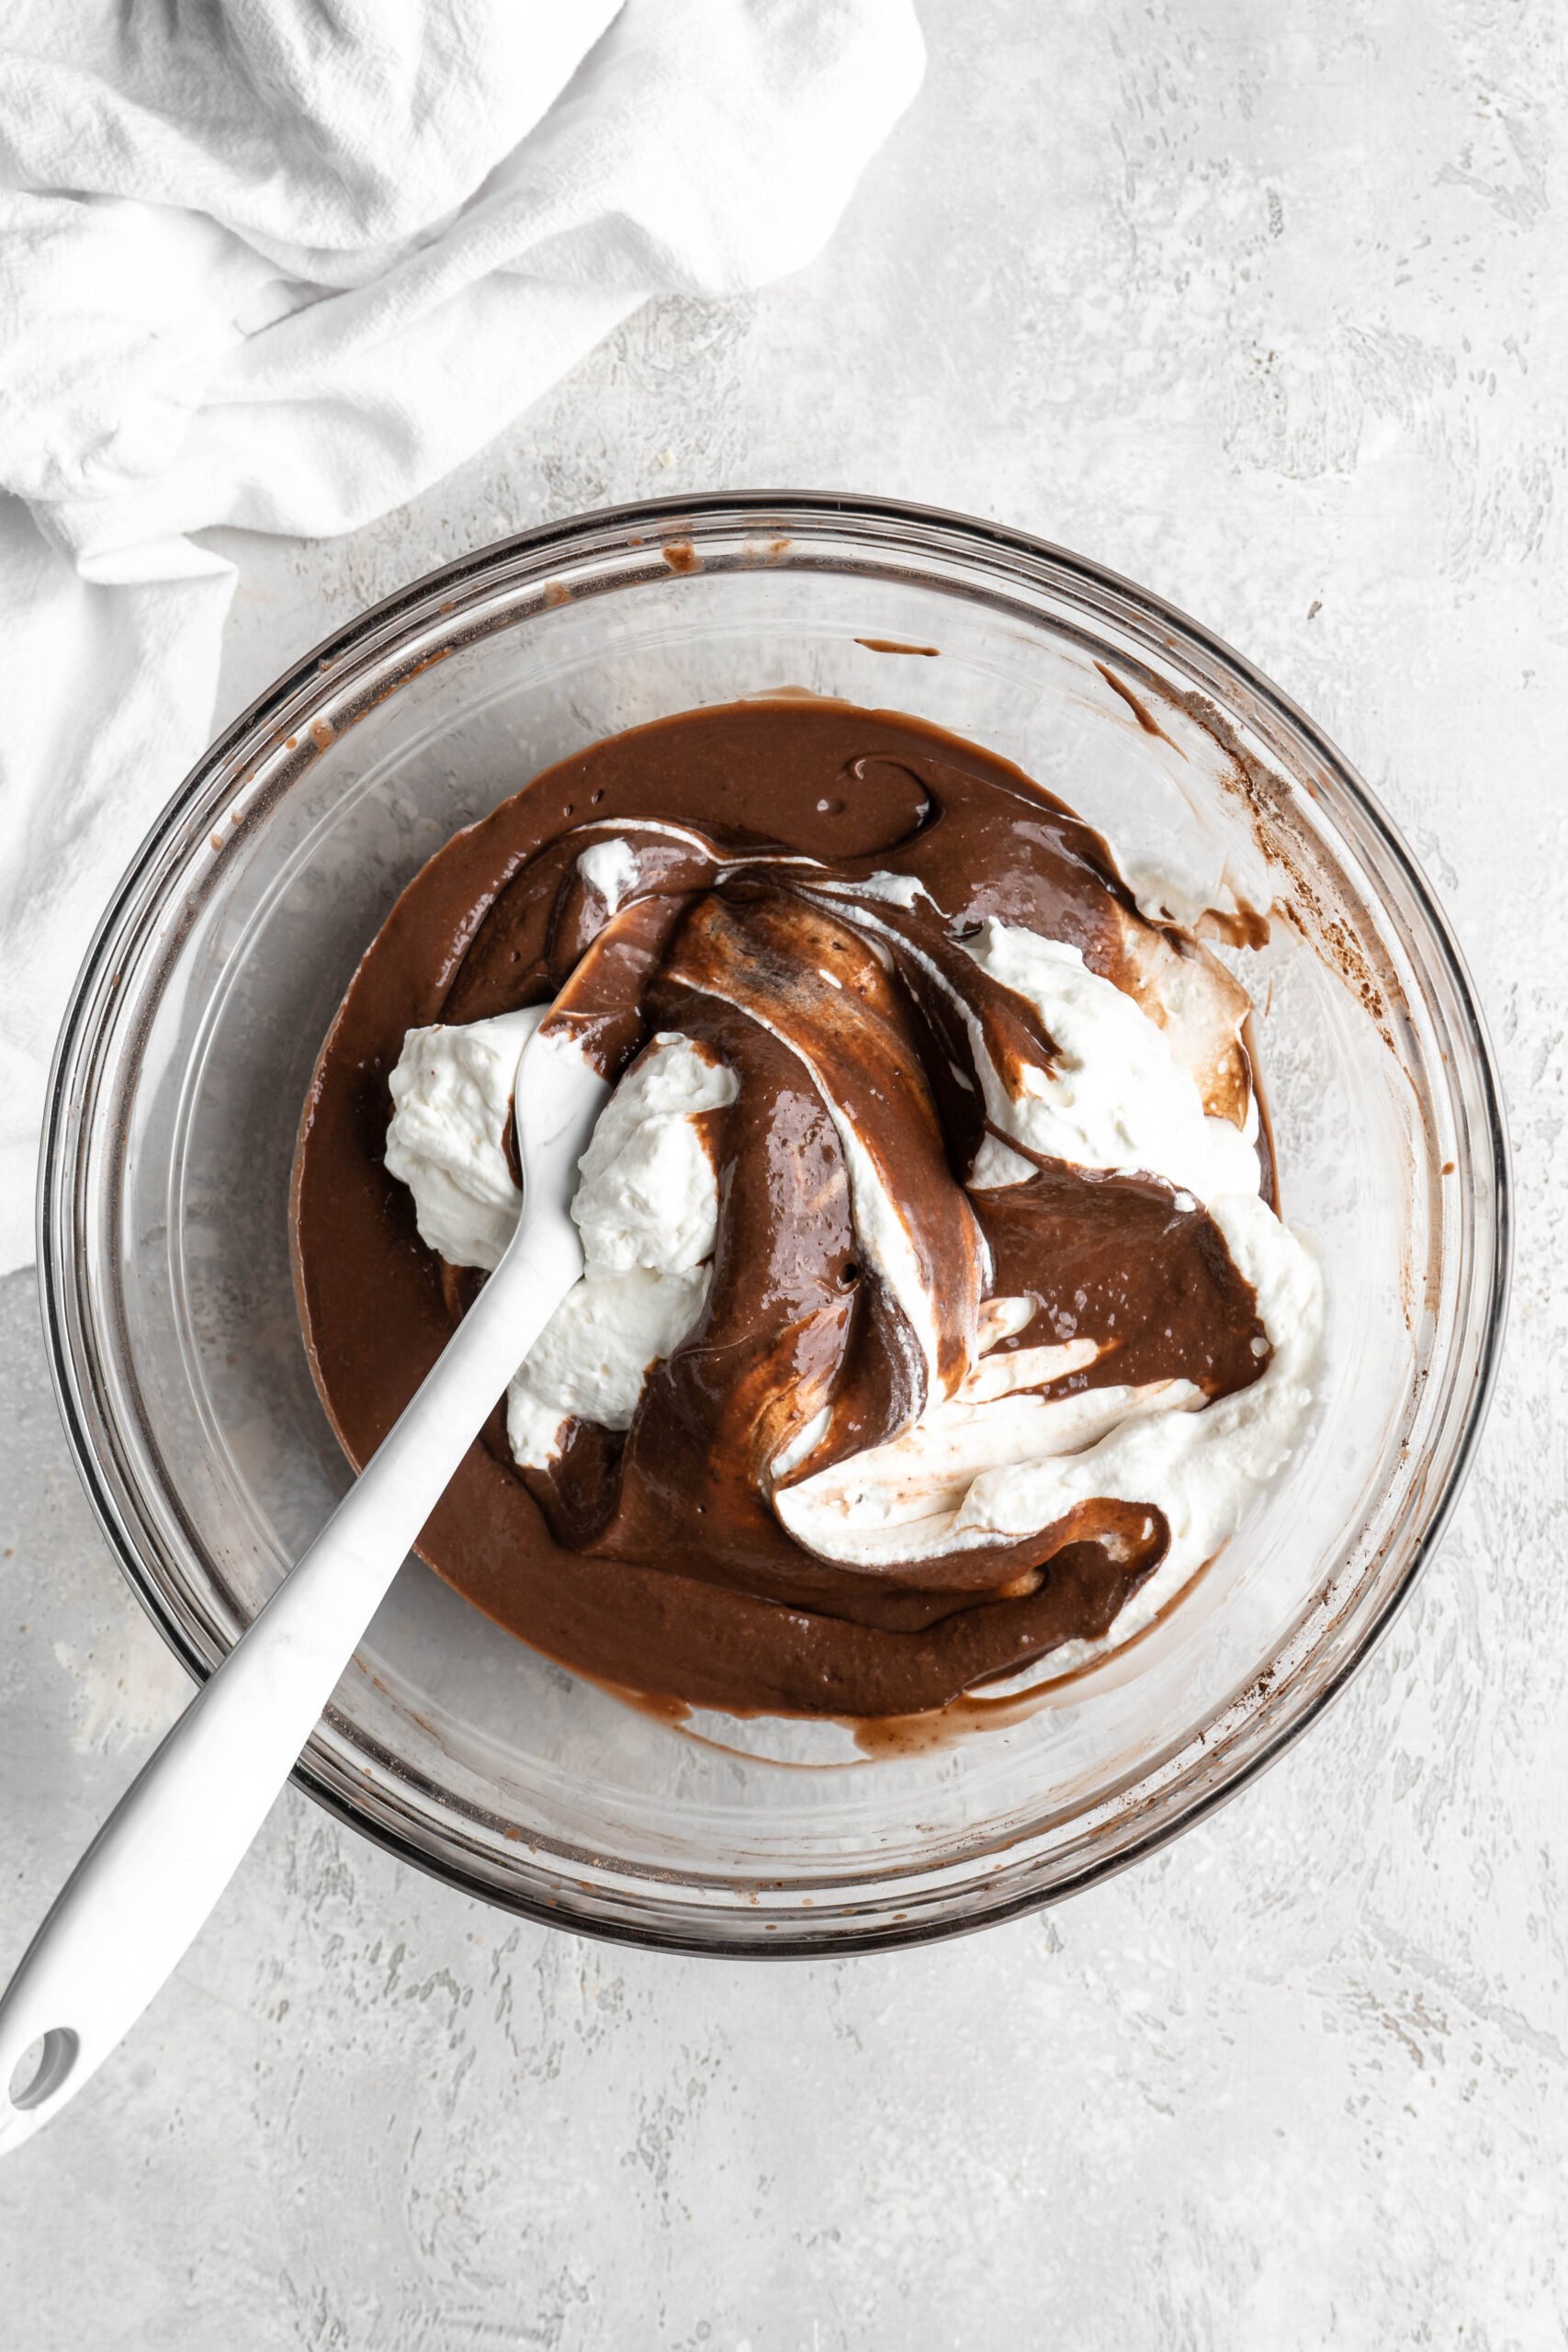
(935,1315)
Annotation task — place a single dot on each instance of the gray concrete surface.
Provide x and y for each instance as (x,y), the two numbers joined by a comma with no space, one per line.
(1265,308)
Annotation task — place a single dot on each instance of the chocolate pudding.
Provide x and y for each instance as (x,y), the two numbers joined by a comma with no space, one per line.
(936,1319)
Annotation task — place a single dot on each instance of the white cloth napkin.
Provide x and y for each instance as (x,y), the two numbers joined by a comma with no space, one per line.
(282,264)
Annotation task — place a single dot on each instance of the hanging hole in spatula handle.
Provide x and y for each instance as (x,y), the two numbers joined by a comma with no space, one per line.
(36,2079)
(43,2068)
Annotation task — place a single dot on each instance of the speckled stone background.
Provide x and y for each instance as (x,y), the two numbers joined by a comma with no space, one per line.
(1265,306)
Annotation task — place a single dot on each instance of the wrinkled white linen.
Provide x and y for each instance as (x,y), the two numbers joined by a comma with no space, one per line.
(283,264)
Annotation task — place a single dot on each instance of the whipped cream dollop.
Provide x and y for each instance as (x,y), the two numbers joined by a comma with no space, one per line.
(452,1105)
(648,1209)
(1116,1094)
(647,1206)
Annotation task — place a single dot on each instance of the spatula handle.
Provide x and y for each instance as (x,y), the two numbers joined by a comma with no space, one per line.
(135,1900)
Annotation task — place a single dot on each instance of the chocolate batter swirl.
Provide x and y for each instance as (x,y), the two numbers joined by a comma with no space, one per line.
(807,877)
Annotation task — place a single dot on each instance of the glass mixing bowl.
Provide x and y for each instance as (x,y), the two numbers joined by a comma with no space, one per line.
(183,1063)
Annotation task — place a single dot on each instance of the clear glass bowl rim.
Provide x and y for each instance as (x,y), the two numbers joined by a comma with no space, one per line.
(882,524)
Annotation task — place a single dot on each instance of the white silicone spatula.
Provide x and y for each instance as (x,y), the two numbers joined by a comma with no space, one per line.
(138,1896)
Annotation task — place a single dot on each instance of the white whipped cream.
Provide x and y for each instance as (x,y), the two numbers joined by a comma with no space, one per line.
(593,1355)
(648,1196)
(610,868)
(452,1100)
(648,1211)
(1118,1096)
(647,1207)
